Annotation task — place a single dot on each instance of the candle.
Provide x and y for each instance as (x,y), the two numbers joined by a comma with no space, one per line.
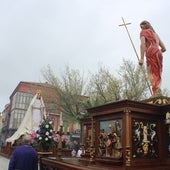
(68,129)
(61,119)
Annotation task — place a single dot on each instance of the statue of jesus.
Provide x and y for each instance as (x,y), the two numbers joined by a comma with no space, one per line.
(152,47)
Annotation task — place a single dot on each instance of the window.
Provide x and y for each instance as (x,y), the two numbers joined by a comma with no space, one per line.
(20,104)
(21,100)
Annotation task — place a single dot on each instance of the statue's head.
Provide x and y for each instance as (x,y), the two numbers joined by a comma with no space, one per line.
(146,25)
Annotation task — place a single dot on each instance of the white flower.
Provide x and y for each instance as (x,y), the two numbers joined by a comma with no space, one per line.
(51,130)
(47,133)
(46,139)
(40,138)
(50,122)
(47,126)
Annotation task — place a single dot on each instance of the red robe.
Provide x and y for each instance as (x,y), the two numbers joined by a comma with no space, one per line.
(153,59)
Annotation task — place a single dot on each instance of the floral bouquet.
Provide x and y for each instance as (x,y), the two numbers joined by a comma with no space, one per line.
(44,136)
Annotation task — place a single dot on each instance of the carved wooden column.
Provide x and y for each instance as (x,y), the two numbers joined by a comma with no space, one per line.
(127,132)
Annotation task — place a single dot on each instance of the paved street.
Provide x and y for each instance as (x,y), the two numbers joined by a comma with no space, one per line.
(3,163)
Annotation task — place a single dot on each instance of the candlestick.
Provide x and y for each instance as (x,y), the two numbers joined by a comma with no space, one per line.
(61,119)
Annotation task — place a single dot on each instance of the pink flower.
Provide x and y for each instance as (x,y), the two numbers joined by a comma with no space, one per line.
(33,134)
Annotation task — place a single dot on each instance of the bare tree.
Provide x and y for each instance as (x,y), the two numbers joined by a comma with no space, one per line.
(135,82)
(70,90)
(76,95)
(103,87)
(134,85)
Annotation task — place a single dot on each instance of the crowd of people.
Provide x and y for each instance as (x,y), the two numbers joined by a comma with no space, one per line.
(25,157)
(76,150)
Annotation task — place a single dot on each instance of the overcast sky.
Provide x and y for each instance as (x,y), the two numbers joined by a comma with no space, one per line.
(78,33)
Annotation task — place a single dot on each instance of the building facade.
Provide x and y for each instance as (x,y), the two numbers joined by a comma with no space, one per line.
(20,99)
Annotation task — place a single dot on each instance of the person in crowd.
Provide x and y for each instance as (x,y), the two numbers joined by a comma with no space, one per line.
(79,152)
(75,146)
(24,157)
(73,153)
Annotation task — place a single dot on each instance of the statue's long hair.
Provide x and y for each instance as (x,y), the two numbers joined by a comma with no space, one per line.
(147,25)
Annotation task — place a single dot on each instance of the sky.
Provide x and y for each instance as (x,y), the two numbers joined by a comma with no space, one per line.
(82,34)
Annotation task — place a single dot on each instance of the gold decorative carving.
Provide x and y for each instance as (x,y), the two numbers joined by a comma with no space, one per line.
(167,121)
(92,153)
(145,139)
(159,101)
(127,157)
(92,149)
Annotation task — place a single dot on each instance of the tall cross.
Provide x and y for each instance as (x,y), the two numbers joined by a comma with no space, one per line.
(125,25)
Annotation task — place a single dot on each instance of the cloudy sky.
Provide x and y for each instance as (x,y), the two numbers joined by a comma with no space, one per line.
(80,33)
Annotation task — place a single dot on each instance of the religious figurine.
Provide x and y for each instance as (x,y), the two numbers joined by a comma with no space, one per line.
(167,118)
(152,47)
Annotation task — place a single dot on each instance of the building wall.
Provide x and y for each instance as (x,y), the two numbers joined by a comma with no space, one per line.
(0,122)
(21,98)
(19,103)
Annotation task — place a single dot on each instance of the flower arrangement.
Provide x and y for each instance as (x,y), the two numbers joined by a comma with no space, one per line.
(44,136)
